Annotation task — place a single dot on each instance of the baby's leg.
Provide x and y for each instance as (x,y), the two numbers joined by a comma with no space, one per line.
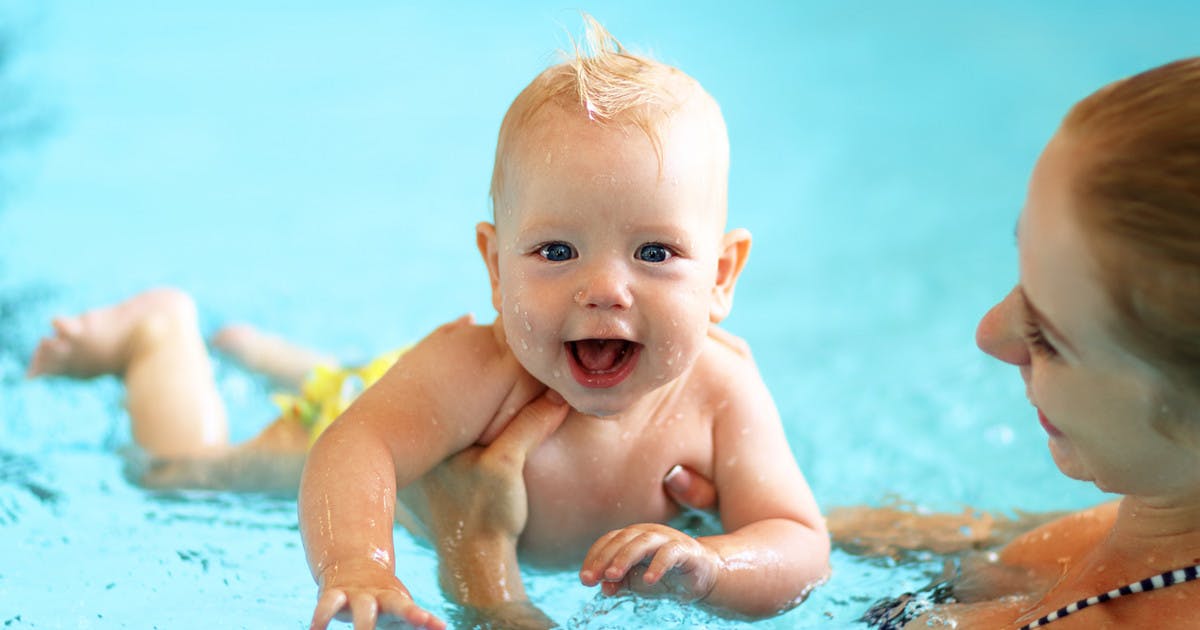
(152,341)
(270,462)
(285,363)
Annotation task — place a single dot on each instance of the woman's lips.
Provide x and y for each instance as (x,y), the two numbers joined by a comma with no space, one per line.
(1050,428)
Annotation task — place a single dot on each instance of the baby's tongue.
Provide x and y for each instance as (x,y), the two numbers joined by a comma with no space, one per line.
(597,355)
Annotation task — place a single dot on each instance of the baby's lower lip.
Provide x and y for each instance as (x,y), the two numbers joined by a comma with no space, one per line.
(1050,428)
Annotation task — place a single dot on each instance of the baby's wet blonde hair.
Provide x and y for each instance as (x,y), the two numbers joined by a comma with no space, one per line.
(609,85)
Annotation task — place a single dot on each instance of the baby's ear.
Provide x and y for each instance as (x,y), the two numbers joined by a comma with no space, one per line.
(485,239)
(735,251)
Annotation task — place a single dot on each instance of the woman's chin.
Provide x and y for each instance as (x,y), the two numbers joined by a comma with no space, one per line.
(1067,460)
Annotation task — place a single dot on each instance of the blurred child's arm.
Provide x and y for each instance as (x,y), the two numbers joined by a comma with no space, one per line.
(391,435)
(776,549)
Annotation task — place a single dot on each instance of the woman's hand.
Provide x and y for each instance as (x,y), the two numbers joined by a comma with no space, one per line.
(690,489)
(474,508)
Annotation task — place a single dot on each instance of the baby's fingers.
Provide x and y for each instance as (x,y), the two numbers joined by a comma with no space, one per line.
(364,610)
(330,603)
(613,555)
(395,605)
(669,556)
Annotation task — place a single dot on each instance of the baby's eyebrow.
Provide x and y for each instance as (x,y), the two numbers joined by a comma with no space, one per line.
(1044,322)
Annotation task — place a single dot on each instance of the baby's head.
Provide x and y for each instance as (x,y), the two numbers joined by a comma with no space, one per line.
(1138,187)
(608,256)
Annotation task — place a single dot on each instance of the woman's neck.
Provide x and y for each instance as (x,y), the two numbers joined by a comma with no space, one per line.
(1162,533)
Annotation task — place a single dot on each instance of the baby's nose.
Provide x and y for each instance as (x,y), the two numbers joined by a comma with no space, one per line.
(606,289)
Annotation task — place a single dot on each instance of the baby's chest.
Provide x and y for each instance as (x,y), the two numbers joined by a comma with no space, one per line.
(583,484)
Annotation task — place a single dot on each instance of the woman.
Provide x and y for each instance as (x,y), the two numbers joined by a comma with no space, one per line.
(1104,327)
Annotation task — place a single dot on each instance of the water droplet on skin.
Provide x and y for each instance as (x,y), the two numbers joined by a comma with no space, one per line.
(524,345)
(557,374)
(528,327)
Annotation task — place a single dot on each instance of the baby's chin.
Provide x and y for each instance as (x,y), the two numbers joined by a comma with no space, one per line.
(592,408)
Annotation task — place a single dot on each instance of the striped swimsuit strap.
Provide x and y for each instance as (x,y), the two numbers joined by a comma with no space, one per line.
(1162,580)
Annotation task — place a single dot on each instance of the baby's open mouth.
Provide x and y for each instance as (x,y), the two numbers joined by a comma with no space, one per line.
(602,362)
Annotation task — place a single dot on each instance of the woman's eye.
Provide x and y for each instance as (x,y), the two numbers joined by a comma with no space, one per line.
(557,252)
(1037,340)
(653,252)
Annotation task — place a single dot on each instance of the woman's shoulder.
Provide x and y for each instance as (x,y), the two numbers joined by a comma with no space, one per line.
(1048,546)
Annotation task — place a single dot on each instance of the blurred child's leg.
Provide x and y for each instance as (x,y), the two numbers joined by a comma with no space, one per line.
(285,363)
(152,341)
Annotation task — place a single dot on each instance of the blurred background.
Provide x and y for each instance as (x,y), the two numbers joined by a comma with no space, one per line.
(317,169)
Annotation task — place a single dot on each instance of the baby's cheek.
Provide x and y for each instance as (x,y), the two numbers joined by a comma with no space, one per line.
(524,329)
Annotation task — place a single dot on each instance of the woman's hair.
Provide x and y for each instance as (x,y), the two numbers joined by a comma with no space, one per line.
(1138,188)
(606,83)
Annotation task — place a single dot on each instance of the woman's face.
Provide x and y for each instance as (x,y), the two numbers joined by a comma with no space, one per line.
(1097,402)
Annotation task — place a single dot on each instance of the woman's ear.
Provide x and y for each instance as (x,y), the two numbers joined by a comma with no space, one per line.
(485,239)
(735,250)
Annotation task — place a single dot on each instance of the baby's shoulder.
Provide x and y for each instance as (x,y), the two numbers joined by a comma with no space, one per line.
(725,374)
(457,352)
(464,336)
(725,361)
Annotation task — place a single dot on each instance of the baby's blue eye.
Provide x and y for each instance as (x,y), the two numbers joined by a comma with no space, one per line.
(653,252)
(557,252)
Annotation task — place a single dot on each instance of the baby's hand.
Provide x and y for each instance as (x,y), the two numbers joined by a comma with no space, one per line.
(651,559)
(368,598)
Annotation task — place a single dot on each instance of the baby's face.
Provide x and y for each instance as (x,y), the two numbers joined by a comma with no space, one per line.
(604,272)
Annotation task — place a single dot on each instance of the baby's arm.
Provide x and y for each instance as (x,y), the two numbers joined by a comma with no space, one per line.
(395,432)
(776,548)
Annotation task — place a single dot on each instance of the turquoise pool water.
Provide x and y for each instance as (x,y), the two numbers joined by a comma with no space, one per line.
(319,171)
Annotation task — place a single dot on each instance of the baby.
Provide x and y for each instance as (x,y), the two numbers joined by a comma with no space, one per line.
(610,268)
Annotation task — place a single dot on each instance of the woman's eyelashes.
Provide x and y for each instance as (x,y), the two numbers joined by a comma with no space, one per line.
(1036,338)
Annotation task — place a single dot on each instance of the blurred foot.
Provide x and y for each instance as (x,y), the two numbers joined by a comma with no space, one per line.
(101,341)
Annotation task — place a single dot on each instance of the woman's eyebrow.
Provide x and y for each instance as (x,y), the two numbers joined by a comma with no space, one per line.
(1045,322)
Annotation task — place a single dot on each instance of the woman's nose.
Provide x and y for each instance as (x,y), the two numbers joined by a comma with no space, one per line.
(999,332)
(604,288)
